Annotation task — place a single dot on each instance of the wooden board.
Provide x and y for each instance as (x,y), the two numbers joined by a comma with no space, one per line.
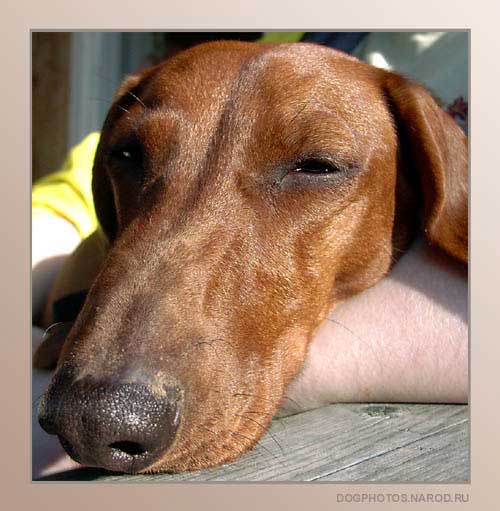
(355,442)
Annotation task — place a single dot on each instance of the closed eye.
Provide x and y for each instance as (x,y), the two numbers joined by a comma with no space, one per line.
(316,166)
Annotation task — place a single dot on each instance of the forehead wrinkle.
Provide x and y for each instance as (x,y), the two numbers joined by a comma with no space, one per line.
(156,123)
(312,122)
(232,117)
(258,78)
(199,78)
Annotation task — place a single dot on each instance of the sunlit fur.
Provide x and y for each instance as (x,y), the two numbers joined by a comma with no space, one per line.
(225,259)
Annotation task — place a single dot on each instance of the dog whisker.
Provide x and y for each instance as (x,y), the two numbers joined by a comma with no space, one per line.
(139,100)
(242,445)
(253,396)
(99,74)
(357,337)
(264,428)
(216,434)
(250,419)
(36,401)
(102,100)
(258,444)
(265,399)
(391,255)
(292,401)
(268,400)
(304,106)
(207,429)
(123,109)
(201,343)
(213,341)
(257,412)
(346,328)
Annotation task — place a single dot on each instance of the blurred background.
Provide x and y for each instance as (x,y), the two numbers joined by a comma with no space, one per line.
(74,77)
(75,74)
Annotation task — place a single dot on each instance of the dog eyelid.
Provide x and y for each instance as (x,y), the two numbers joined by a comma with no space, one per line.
(316,166)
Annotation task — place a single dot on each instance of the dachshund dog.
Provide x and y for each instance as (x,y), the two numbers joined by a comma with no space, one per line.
(245,189)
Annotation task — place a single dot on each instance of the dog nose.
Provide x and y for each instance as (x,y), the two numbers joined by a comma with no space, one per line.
(123,427)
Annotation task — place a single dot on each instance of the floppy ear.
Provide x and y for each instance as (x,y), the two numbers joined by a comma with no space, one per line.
(435,148)
(101,187)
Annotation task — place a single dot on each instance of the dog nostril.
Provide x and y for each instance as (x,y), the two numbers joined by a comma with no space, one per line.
(131,448)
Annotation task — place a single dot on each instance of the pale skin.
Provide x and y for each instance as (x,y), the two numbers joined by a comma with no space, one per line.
(404,340)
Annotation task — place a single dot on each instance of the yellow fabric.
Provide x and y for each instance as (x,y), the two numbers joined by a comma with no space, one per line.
(281,37)
(68,192)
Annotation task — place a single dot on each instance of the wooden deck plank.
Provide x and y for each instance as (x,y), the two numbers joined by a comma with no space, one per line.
(355,442)
(427,459)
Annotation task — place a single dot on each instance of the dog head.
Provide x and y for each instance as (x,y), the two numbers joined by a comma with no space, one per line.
(246,189)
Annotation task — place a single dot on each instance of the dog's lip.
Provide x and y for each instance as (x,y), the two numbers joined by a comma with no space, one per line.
(128,462)
(114,460)
(68,448)
(119,461)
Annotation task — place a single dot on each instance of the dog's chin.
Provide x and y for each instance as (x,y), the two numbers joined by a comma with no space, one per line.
(190,424)
(225,449)
(211,456)
(206,444)
(191,455)
(231,424)
(235,425)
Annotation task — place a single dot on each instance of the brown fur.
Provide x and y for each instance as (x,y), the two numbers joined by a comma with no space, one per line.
(225,260)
